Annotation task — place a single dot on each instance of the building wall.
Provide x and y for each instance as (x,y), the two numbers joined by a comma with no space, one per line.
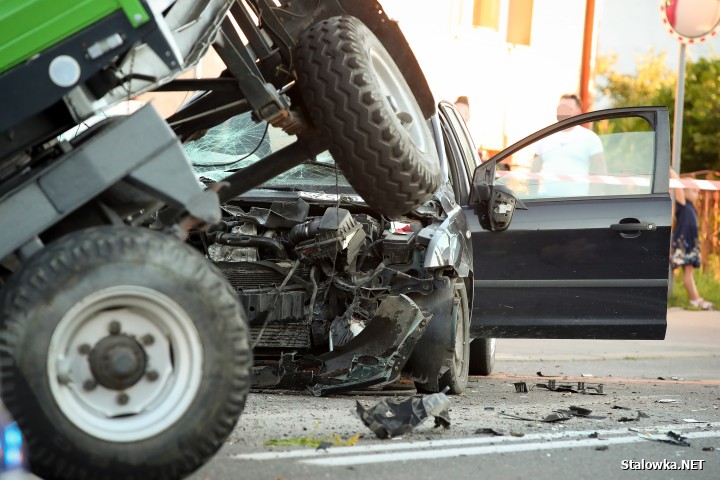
(513,89)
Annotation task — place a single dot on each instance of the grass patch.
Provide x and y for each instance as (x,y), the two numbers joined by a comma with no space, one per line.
(706,280)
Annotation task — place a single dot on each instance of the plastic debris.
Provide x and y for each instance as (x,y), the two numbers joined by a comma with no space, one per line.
(708,449)
(491,431)
(585,413)
(521,387)
(669,437)
(391,418)
(636,419)
(556,416)
(670,378)
(692,420)
(668,400)
(573,387)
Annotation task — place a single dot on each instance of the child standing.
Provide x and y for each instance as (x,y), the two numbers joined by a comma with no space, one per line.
(685,249)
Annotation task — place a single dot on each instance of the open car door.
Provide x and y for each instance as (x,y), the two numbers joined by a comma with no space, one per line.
(589,256)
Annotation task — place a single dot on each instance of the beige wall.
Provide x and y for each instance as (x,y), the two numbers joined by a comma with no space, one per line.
(513,90)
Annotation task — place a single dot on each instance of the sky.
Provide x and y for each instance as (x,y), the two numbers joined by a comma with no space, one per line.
(629,28)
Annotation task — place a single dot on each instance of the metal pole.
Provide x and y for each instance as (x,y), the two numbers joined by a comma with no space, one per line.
(677,132)
(679,103)
(587,54)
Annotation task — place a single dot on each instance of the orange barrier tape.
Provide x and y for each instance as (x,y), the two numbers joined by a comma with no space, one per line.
(693,183)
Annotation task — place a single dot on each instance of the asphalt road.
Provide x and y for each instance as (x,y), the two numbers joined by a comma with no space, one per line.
(607,447)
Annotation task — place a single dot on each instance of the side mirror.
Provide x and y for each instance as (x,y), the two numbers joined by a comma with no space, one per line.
(494,204)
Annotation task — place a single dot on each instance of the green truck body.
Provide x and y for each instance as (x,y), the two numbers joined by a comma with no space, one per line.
(28,27)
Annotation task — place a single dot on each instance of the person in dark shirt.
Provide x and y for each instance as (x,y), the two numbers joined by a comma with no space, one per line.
(685,248)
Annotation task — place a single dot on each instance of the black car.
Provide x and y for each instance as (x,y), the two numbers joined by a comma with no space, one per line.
(339,297)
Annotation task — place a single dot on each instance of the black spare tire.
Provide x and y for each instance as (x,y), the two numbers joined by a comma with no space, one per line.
(362,106)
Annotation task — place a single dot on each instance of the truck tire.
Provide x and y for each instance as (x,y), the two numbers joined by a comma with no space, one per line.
(362,106)
(123,355)
(482,356)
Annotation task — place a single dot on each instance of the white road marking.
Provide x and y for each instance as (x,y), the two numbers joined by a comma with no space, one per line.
(468,451)
(390,446)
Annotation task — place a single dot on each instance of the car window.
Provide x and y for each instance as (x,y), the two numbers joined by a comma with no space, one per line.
(239,142)
(605,158)
(457,177)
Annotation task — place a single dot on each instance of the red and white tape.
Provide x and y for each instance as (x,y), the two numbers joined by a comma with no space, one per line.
(692,183)
(610,180)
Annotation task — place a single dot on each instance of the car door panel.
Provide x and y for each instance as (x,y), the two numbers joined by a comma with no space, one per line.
(575,268)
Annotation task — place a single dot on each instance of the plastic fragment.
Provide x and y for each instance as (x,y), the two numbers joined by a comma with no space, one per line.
(390,417)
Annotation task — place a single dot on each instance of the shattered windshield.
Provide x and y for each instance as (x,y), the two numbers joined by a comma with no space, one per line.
(239,142)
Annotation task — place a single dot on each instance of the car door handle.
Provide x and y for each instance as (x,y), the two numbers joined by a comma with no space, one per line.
(632,227)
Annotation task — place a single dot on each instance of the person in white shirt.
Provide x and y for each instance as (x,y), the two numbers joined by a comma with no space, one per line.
(576,152)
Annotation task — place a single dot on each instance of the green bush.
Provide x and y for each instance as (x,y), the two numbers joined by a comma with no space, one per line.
(706,280)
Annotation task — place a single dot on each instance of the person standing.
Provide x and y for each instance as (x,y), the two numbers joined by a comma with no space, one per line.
(685,249)
(462,103)
(576,151)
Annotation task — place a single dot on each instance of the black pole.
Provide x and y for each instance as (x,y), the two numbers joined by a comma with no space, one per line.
(269,167)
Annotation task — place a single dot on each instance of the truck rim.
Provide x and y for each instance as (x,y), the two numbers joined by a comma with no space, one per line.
(399,96)
(125,363)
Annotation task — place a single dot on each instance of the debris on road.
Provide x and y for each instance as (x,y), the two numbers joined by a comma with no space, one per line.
(602,447)
(708,449)
(692,420)
(635,419)
(618,407)
(668,400)
(670,378)
(498,432)
(573,387)
(669,437)
(491,431)
(556,416)
(521,387)
(584,413)
(391,417)
(540,374)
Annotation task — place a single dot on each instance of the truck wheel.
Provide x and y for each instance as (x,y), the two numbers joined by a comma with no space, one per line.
(361,104)
(482,356)
(123,355)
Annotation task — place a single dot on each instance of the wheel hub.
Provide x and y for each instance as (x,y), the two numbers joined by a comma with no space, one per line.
(118,362)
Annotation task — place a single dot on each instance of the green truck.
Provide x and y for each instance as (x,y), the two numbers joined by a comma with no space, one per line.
(123,351)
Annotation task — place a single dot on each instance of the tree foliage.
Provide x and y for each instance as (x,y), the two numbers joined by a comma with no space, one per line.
(654,84)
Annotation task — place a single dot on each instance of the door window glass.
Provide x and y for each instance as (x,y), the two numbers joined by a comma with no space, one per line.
(605,158)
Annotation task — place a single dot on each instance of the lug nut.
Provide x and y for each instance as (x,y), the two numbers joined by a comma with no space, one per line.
(114,327)
(148,339)
(123,399)
(84,349)
(89,385)
(152,375)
